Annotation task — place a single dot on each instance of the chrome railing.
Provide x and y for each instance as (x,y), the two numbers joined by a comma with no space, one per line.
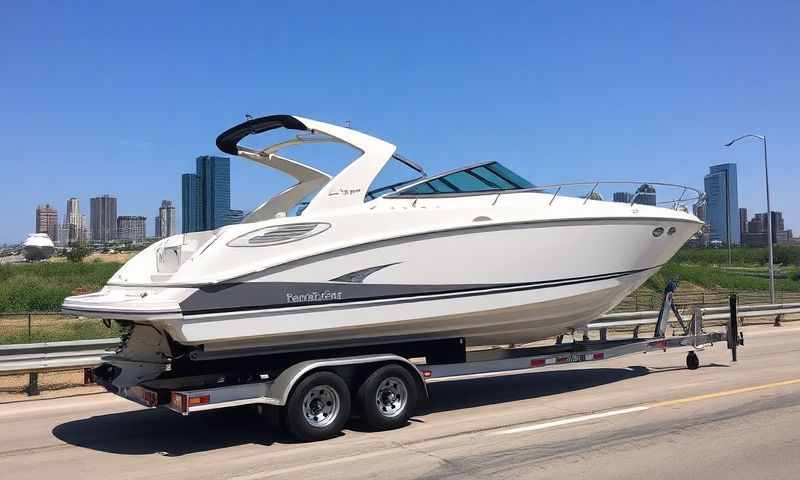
(676,201)
(687,194)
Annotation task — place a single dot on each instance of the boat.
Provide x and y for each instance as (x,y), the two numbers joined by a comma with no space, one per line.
(477,254)
(37,246)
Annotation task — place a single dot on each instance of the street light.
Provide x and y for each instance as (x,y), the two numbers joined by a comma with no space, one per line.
(769,211)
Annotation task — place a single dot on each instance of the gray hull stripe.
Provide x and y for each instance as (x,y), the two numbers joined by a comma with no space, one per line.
(246,296)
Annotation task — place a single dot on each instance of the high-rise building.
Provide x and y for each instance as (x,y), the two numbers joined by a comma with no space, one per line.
(47,221)
(742,221)
(722,205)
(215,185)
(777,225)
(623,197)
(235,216)
(645,195)
(756,224)
(63,234)
(103,211)
(83,230)
(699,210)
(72,219)
(192,204)
(206,195)
(165,221)
(131,228)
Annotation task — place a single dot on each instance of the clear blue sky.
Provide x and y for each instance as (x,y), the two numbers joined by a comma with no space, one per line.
(120,97)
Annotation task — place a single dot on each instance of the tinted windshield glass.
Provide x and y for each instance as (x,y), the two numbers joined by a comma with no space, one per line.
(489,177)
(397,172)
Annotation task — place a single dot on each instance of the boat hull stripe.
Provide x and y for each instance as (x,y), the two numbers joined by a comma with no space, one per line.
(246,296)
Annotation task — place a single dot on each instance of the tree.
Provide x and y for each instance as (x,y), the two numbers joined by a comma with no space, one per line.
(77,253)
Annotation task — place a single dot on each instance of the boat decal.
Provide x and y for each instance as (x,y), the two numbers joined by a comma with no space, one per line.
(248,296)
(359,275)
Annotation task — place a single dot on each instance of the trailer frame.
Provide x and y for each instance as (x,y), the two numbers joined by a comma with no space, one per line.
(177,395)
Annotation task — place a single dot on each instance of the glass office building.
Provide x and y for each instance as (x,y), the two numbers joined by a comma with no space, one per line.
(722,207)
(207,196)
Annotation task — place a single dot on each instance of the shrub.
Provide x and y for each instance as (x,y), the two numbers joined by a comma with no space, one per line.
(77,253)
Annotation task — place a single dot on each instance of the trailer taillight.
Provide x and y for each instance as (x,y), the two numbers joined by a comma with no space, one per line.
(199,400)
(178,403)
(150,398)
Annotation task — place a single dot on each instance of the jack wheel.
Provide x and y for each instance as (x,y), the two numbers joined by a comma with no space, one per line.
(692,361)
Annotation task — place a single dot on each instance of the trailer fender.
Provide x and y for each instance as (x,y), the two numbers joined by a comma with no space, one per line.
(281,387)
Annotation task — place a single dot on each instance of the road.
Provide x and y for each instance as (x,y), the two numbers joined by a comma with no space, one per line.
(641,416)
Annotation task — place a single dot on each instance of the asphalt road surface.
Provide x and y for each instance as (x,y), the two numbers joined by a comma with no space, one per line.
(641,416)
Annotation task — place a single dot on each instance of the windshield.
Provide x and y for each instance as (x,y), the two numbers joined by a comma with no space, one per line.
(482,178)
(398,172)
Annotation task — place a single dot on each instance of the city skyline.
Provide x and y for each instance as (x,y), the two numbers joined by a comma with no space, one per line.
(745,230)
(604,105)
(108,227)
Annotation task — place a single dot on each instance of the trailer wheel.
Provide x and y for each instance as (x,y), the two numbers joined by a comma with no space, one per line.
(318,407)
(387,397)
(692,362)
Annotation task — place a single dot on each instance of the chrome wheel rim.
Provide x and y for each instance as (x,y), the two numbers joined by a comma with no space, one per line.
(321,406)
(391,397)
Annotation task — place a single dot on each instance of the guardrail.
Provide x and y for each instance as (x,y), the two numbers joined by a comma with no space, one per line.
(34,358)
(709,313)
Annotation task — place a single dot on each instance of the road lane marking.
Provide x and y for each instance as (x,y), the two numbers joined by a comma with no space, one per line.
(723,393)
(20,411)
(568,420)
(641,408)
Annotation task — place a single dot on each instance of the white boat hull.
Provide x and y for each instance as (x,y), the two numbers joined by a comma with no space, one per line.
(527,282)
(499,318)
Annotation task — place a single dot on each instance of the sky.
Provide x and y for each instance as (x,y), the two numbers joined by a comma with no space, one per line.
(120,97)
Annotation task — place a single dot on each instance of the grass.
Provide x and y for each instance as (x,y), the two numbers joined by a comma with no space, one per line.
(782,255)
(714,277)
(41,287)
(52,328)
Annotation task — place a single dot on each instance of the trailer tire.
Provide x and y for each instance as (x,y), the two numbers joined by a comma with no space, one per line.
(318,407)
(692,361)
(387,397)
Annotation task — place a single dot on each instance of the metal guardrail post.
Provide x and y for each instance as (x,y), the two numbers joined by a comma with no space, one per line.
(29,327)
(733,327)
(33,384)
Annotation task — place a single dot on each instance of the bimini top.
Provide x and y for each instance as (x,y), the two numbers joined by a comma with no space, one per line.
(347,188)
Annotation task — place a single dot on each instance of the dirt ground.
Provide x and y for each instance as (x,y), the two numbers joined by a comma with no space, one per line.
(120,257)
(51,385)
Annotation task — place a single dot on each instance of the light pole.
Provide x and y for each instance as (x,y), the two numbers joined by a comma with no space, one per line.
(769,211)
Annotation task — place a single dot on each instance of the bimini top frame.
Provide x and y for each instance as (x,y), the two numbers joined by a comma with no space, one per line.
(346,189)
